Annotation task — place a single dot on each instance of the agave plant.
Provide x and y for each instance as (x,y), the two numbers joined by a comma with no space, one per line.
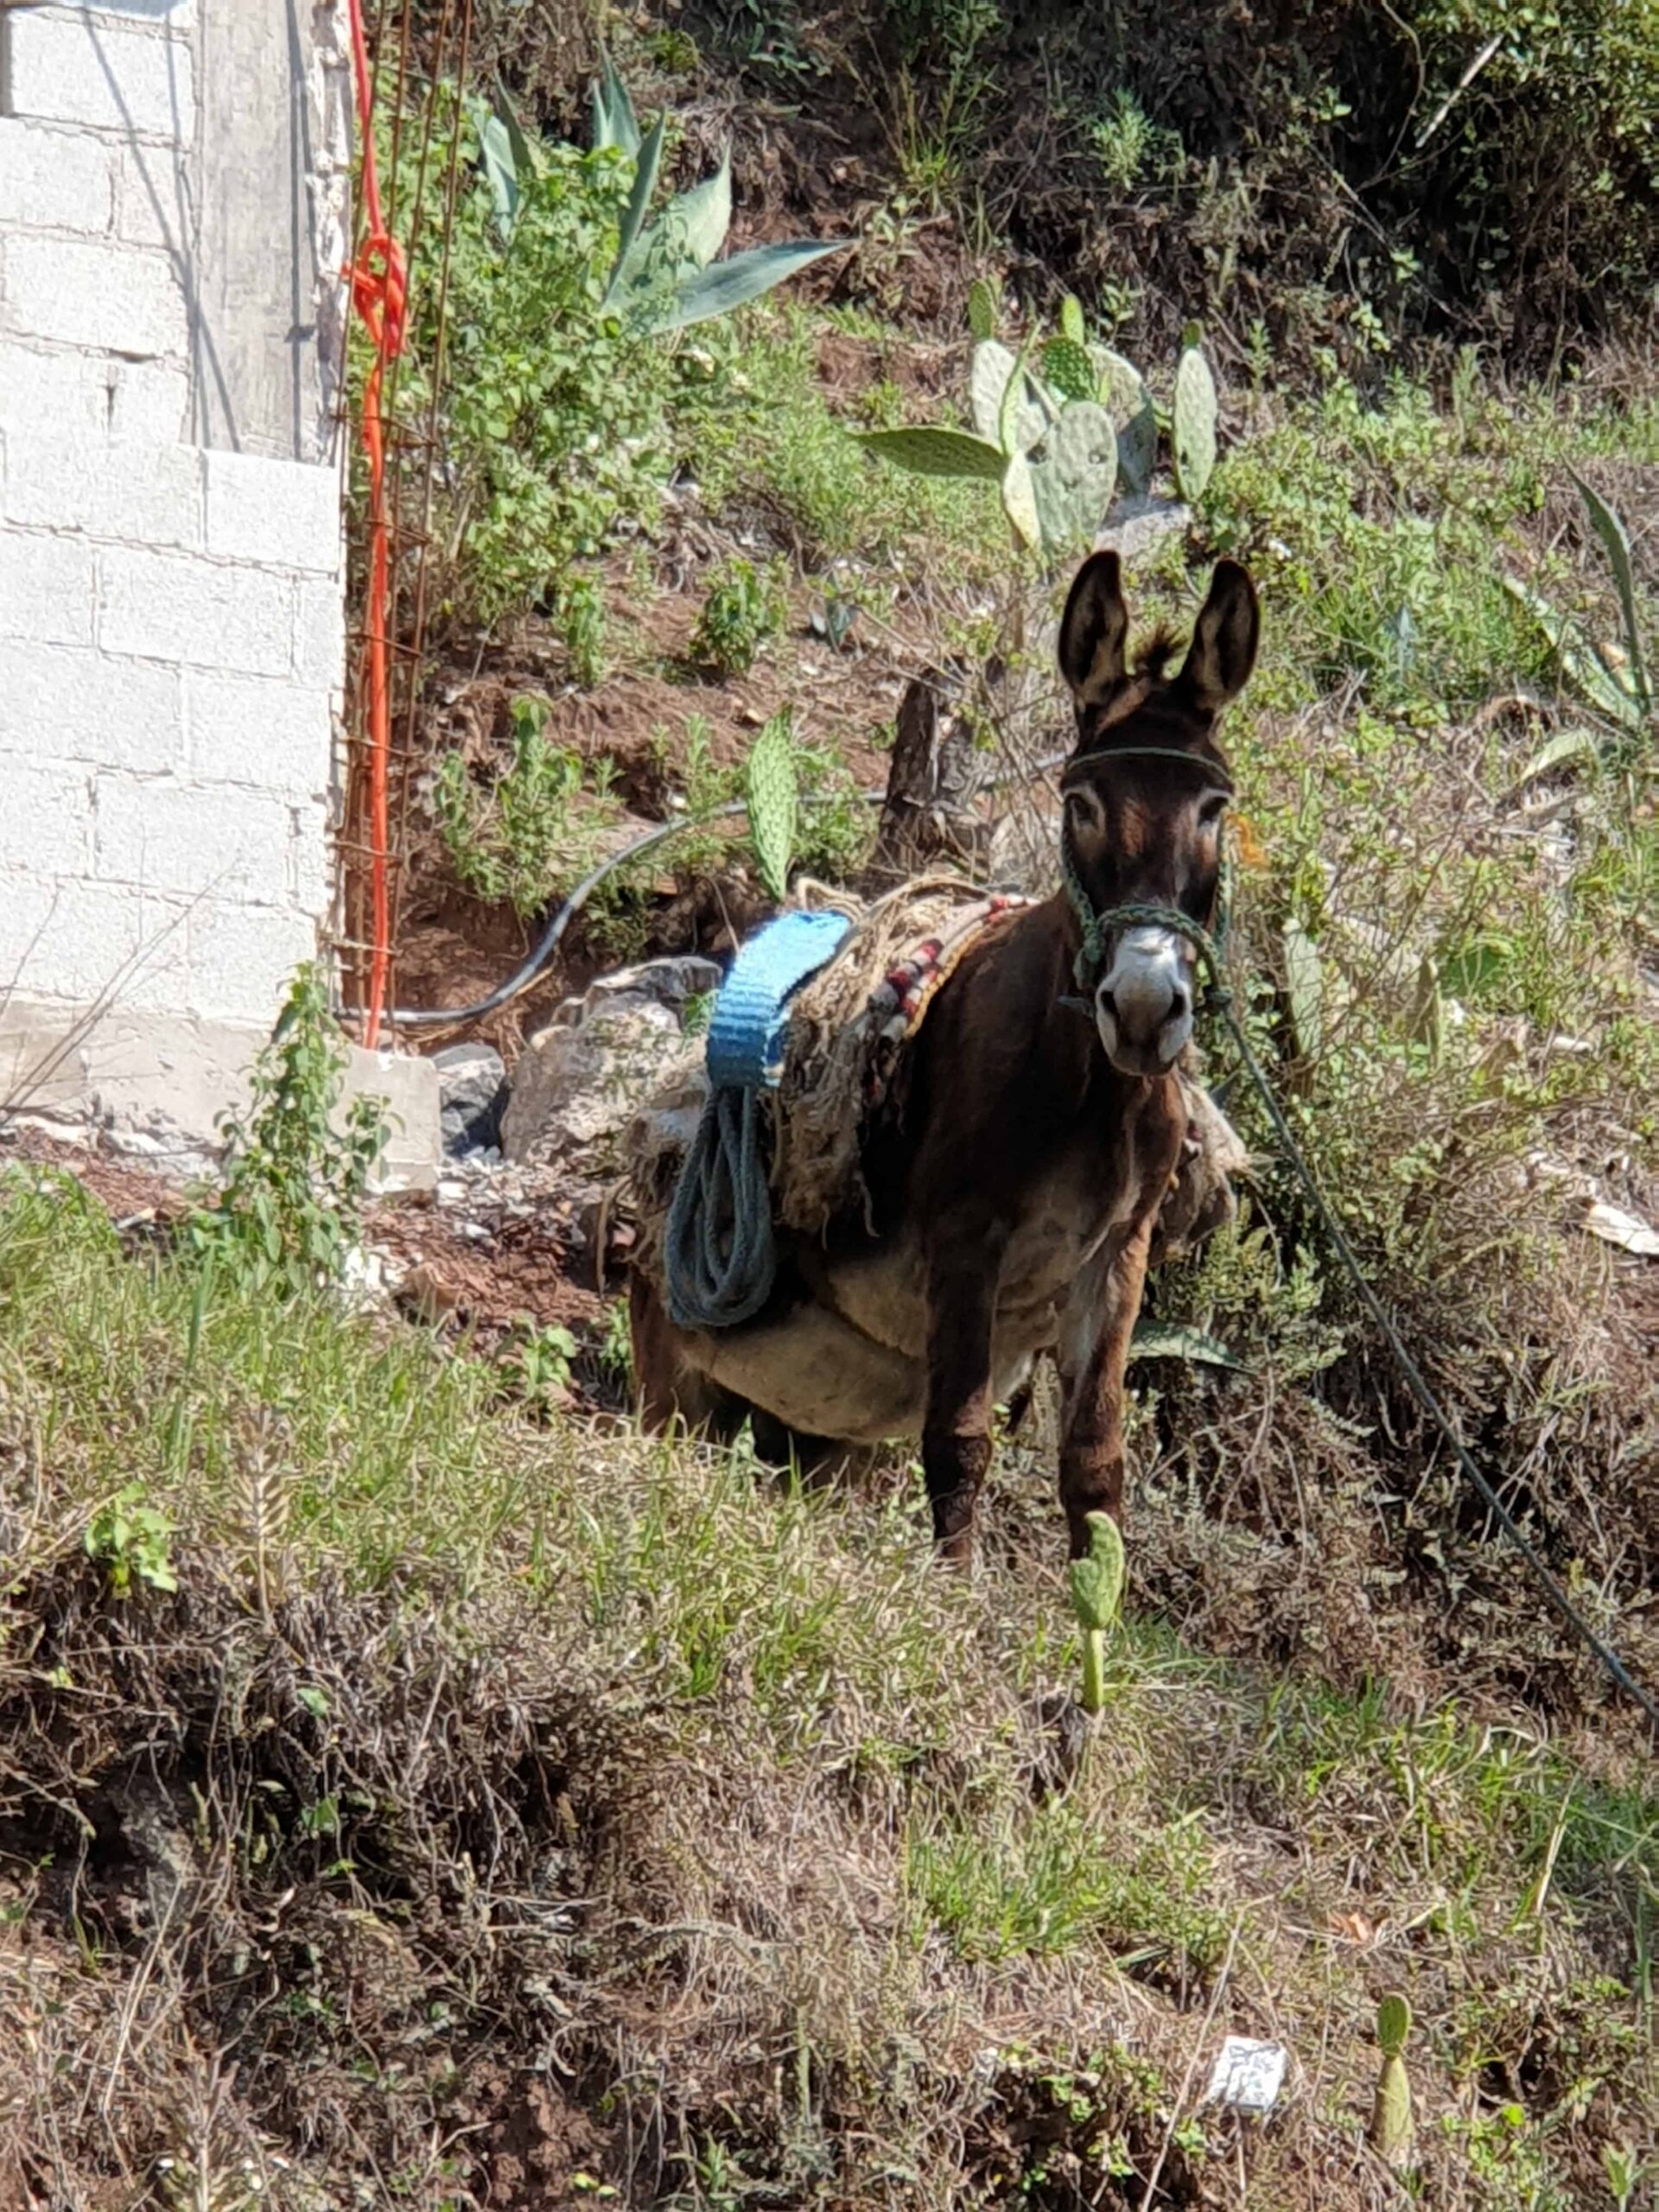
(1062,440)
(666,275)
(1616,685)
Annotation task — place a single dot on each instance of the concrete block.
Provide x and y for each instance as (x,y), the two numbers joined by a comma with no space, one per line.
(92,397)
(272,736)
(120,488)
(241,958)
(409,1084)
(285,514)
(46,825)
(63,705)
(152,198)
(177,15)
(167,606)
(93,940)
(320,633)
(45,589)
(24,912)
(182,837)
(92,72)
(55,180)
(102,295)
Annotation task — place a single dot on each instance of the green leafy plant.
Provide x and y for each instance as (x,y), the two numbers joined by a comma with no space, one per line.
(773,796)
(517,839)
(1615,683)
(1060,444)
(1391,2114)
(297,1163)
(537,1365)
(745,608)
(133,1539)
(1096,1583)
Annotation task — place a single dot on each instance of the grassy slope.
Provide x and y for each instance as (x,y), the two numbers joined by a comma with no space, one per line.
(542,1805)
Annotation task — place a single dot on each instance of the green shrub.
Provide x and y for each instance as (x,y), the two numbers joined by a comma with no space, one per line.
(745,608)
(519,840)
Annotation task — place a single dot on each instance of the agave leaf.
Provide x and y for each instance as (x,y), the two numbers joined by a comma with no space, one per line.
(1019,500)
(632,245)
(929,450)
(727,285)
(524,154)
(1305,983)
(773,802)
(1581,663)
(1617,546)
(1164,1340)
(701,218)
(614,121)
(495,147)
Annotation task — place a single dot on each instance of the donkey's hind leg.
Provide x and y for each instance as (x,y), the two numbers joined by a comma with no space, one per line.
(667,1386)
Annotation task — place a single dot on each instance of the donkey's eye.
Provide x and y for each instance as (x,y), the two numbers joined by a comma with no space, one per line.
(1085,811)
(1212,810)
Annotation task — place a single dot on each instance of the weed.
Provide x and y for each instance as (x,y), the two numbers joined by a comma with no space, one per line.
(519,839)
(297,1168)
(744,610)
(133,1539)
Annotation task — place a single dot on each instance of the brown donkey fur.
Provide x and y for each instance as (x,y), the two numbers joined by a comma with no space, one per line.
(1016,1189)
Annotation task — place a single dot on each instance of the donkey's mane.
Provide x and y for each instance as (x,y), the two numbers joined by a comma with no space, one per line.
(1155,655)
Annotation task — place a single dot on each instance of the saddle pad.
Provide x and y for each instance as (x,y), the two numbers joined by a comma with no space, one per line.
(746,1036)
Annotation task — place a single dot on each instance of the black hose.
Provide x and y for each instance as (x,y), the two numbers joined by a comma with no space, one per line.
(523,976)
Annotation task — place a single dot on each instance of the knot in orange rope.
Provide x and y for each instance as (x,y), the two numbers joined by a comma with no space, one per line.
(380,286)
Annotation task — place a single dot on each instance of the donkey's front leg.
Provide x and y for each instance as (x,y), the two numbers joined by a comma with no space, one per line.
(961,1280)
(1094,1353)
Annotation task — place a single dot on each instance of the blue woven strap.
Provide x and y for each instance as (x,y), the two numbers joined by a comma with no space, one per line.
(746,1037)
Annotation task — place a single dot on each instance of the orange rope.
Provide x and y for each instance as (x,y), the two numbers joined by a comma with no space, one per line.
(380,294)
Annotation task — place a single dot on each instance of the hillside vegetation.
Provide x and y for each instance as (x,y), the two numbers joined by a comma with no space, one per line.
(417,1788)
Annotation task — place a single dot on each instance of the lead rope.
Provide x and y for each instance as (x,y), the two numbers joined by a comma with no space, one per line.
(1219,999)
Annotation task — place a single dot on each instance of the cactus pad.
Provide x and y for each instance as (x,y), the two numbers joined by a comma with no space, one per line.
(1394,2024)
(1069,369)
(1071,323)
(1391,2114)
(1124,395)
(1192,423)
(981,308)
(1019,500)
(1073,481)
(774,800)
(1097,1580)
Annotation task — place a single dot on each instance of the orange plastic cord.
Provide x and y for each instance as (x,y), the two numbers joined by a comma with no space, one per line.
(380,294)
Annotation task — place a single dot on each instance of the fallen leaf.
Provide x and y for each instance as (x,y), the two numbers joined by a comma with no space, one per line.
(1614,1226)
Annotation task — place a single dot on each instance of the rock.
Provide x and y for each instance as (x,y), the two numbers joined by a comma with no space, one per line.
(672,983)
(472,1092)
(1141,525)
(579,1084)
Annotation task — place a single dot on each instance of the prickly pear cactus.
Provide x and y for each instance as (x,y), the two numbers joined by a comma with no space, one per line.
(1097,1595)
(773,798)
(1071,323)
(981,309)
(1123,393)
(1391,2112)
(1192,420)
(1019,500)
(994,395)
(1068,368)
(1073,480)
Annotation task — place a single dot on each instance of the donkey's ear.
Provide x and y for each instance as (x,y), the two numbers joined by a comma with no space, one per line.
(1223,652)
(1094,631)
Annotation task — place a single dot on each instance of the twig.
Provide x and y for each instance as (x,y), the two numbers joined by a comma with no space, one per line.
(1460,87)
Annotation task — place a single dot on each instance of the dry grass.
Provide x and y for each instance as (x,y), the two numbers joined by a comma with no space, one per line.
(627,1818)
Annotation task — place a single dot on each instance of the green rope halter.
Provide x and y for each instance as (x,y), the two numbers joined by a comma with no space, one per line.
(1143,914)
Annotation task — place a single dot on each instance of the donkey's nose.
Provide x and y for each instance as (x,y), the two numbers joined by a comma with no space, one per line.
(1144,1005)
(1139,1008)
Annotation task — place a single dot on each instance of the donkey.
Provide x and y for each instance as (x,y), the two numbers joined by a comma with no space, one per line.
(1015,1188)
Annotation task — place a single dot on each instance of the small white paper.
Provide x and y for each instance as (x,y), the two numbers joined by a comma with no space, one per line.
(1247,2075)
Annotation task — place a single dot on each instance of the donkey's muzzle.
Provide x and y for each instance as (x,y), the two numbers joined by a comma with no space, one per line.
(1143,1006)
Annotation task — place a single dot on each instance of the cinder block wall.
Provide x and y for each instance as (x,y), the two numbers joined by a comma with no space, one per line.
(172,178)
